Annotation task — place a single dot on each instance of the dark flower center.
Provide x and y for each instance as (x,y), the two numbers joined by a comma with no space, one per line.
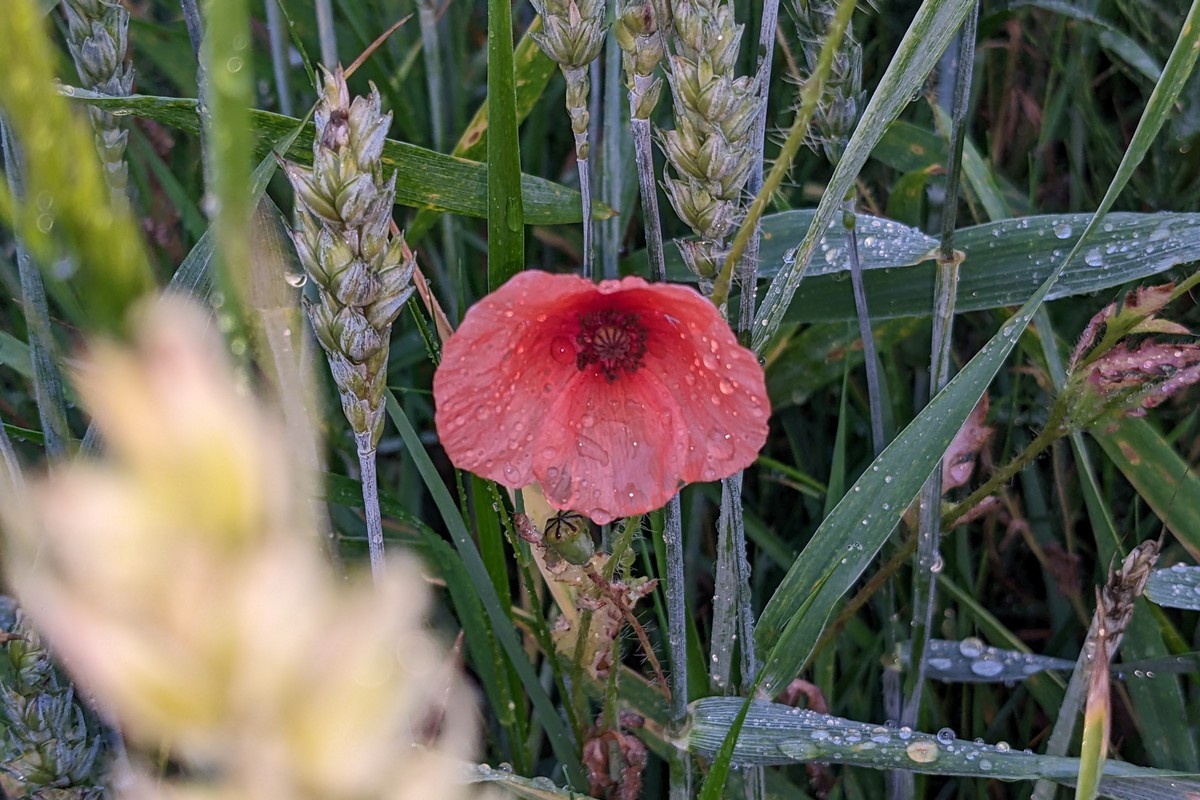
(613,340)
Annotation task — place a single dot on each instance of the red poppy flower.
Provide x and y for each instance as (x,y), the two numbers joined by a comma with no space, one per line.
(613,396)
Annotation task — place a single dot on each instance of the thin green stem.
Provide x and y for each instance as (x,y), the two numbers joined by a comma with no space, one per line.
(870,356)
(370,492)
(277,39)
(47,381)
(326,33)
(929,527)
(748,263)
(644,155)
(585,191)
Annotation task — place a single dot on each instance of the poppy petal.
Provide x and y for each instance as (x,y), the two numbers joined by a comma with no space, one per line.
(717,382)
(509,359)
(613,396)
(611,450)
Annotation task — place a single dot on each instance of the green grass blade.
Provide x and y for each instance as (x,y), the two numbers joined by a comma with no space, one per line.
(971,661)
(928,35)
(1163,479)
(848,539)
(502,628)
(533,71)
(506,213)
(228,138)
(1177,587)
(425,179)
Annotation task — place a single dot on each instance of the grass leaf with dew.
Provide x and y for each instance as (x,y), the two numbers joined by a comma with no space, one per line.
(1177,587)
(873,506)
(774,734)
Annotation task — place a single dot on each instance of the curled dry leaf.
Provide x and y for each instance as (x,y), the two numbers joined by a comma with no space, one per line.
(958,463)
(627,785)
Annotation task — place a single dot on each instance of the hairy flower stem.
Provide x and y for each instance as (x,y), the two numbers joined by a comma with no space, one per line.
(929,523)
(585,191)
(649,191)
(747,265)
(326,34)
(641,30)
(681,765)
(573,35)
(277,40)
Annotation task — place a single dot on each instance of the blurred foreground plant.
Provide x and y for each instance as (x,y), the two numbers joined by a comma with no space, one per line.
(180,583)
(49,745)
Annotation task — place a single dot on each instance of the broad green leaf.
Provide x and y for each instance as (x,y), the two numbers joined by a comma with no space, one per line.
(1004,262)
(424,179)
(848,539)
(1007,260)
(930,32)
(882,243)
(774,734)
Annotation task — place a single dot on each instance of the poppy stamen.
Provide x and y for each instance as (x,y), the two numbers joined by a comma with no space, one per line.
(613,340)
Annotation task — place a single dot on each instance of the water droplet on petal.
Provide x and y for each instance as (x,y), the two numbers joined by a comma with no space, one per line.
(562,351)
